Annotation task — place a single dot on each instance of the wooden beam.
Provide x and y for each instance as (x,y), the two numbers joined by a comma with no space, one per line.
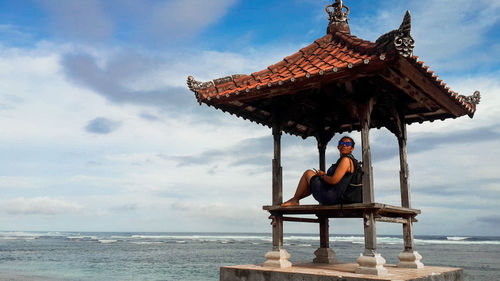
(430,88)
(401,83)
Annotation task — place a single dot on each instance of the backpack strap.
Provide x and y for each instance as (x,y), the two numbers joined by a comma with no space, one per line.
(351,163)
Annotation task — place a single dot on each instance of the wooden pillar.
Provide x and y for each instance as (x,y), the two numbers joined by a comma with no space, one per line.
(370,262)
(321,151)
(409,258)
(277,183)
(324,254)
(277,169)
(368,194)
(324,233)
(405,186)
(404,171)
(277,257)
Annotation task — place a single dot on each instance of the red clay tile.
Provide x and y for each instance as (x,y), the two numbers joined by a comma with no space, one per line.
(308,50)
(293,58)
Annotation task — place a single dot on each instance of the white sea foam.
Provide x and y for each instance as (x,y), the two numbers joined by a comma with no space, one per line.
(457,242)
(107,241)
(82,237)
(456,238)
(146,242)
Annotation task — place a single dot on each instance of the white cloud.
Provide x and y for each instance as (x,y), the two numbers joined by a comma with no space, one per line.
(38,206)
(80,19)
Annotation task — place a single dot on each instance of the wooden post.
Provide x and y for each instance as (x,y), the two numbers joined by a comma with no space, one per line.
(324,254)
(408,258)
(324,233)
(370,262)
(404,171)
(321,150)
(277,182)
(277,169)
(405,187)
(368,194)
(278,257)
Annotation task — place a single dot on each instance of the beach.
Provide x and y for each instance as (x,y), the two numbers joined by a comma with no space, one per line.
(51,256)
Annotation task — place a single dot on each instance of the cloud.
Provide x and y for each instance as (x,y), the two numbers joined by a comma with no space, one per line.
(115,80)
(80,19)
(101,125)
(145,22)
(493,219)
(184,18)
(250,151)
(38,206)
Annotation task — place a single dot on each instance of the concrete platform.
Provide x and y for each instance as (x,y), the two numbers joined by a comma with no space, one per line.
(335,272)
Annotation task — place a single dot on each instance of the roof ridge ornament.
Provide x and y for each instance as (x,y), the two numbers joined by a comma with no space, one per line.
(472,100)
(401,37)
(337,17)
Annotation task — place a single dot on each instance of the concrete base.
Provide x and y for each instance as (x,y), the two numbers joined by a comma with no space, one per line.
(373,265)
(336,272)
(277,259)
(324,255)
(410,259)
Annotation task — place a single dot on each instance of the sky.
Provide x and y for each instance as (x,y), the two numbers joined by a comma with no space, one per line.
(99,131)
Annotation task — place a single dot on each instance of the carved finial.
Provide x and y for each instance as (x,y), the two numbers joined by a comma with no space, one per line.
(195,86)
(401,38)
(338,18)
(403,41)
(472,100)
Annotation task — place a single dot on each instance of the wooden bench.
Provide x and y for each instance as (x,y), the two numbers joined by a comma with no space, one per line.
(382,212)
(368,211)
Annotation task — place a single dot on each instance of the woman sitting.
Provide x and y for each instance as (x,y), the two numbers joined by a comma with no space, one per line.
(327,188)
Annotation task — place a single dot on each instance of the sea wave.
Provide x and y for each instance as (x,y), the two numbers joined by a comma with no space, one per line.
(252,238)
(456,238)
(107,241)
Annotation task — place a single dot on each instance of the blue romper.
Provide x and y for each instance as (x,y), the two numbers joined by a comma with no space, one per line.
(329,194)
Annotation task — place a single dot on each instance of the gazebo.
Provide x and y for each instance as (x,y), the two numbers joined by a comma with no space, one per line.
(341,83)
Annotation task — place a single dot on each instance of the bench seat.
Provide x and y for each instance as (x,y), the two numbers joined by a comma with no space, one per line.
(381,212)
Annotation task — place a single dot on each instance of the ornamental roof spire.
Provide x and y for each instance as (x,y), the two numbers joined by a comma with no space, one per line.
(338,18)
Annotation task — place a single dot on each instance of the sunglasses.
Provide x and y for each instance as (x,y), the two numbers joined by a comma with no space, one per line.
(347,143)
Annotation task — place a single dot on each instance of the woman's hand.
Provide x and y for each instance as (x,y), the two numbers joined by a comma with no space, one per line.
(320,173)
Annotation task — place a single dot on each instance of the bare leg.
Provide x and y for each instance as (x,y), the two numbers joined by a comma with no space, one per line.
(302,189)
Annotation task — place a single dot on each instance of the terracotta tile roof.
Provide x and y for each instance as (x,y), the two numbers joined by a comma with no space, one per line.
(332,54)
(329,54)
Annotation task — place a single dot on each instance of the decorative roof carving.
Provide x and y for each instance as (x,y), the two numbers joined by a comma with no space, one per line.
(401,38)
(337,17)
(472,100)
(195,86)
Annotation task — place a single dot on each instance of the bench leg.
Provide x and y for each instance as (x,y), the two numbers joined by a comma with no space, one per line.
(278,257)
(324,254)
(370,262)
(409,258)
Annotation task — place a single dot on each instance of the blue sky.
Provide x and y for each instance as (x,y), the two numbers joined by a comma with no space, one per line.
(100,133)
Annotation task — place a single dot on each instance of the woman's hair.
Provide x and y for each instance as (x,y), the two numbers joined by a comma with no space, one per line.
(348,137)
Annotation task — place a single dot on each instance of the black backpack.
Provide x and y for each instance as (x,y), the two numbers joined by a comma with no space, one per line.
(354,191)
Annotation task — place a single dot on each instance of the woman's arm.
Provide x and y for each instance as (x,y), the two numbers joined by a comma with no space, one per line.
(342,168)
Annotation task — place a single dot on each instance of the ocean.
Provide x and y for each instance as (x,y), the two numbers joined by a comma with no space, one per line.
(82,256)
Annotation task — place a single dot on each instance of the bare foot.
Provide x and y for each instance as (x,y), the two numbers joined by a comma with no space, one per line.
(291,202)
